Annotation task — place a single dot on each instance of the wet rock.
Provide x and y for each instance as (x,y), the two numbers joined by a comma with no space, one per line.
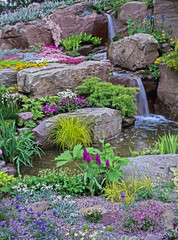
(8,77)
(26,116)
(10,169)
(56,77)
(100,208)
(153,165)
(85,49)
(168,93)
(125,80)
(134,52)
(38,207)
(106,119)
(128,121)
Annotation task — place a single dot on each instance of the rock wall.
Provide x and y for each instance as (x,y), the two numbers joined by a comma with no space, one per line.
(168,93)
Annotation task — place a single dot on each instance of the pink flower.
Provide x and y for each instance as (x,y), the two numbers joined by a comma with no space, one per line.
(107,163)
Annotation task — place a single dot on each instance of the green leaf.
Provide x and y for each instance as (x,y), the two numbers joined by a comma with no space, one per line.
(61,163)
(64,156)
(77,151)
(114,175)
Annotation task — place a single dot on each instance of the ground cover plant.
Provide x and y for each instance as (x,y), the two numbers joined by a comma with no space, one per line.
(105,94)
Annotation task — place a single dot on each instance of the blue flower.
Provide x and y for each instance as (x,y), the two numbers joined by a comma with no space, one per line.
(163,16)
(18,197)
(148,16)
(152,17)
(54,213)
(122,195)
(39,215)
(11,203)
(26,208)
(22,220)
(17,206)
(3,205)
(37,205)
(31,209)
(19,210)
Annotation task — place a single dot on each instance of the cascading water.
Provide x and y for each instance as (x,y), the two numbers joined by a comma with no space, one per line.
(141,100)
(110,27)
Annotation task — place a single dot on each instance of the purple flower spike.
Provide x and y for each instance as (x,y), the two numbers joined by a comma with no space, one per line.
(85,153)
(107,163)
(88,158)
(97,159)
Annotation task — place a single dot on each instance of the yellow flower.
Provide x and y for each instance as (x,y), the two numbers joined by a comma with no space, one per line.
(171,39)
(162,30)
(163,34)
(172,42)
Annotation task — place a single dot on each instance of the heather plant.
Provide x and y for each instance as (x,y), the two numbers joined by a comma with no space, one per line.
(126,189)
(66,132)
(105,94)
(17,149)
(141,218)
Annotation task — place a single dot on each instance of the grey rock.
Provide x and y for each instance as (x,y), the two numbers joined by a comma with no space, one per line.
(128,121)
(9,168)
(2,164)
(153,165)
(127,237)
(169,219)
(26,116)
(8,77)
(107,120)
(151,237)
(134,52)
(56,77)
(100,208)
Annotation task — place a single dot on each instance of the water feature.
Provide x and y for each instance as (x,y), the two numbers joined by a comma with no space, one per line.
(111,30)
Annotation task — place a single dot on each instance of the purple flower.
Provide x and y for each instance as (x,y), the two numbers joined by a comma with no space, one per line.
(122,195)
(19,210)
(85,153)
(37,142)
(18,197)
(17,206)
(3,205)
(97,159)
(88,158)
(11,203)
(1,152)
(163,16)
(22,220)
(31,209)
(107,163)
(37,206)
(39,215)
(54,213)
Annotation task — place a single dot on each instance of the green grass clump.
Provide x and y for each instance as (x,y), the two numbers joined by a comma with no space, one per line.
(67,132)
(168,144)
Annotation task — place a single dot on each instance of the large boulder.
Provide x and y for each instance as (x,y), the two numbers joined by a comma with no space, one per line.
(168,93)
(134,52)
(106,120)
(137,11)
(23,35)
(78,18)
(169,8)
(8,77)
(56,77)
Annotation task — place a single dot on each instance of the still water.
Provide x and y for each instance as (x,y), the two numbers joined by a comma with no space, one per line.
(142,135)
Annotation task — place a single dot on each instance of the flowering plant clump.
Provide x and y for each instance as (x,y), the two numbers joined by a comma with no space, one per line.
(66,105)
(141,218)
(53,52)
(12,56)
(67,94)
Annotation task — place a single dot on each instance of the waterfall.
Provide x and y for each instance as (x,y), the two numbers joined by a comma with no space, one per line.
(111,30)
(141,99)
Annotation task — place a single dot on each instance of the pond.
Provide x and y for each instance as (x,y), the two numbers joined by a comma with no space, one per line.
(142,135)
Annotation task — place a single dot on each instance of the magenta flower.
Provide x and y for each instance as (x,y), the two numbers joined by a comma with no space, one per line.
(85,153)
(107,163)
(97,159)
(1,152)
(88,158)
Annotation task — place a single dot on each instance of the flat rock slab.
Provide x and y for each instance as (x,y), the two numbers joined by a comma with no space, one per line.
(153,165)
(106,120)
(8,77)
(57,77)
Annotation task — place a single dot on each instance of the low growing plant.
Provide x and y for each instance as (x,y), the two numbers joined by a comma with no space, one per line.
(105,94)
(93,216)
(66,132)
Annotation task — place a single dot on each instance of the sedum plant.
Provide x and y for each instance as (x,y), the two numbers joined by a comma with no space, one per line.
(66,132)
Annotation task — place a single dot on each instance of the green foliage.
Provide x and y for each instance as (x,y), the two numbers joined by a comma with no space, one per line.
(86,227)
(17,149)
(168,144)
(117,37)
(93,216)
(129,187)
(90,57)
(30,124)
(5,179)
(110,229)
(67,132)
(154,68)
(74,42)
(171,60)
(8,63)
(105,94)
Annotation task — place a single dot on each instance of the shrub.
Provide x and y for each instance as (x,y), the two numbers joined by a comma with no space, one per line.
(67,132)
(171,60)
(105,94)
(5,179)
(17,149)
(125,190)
